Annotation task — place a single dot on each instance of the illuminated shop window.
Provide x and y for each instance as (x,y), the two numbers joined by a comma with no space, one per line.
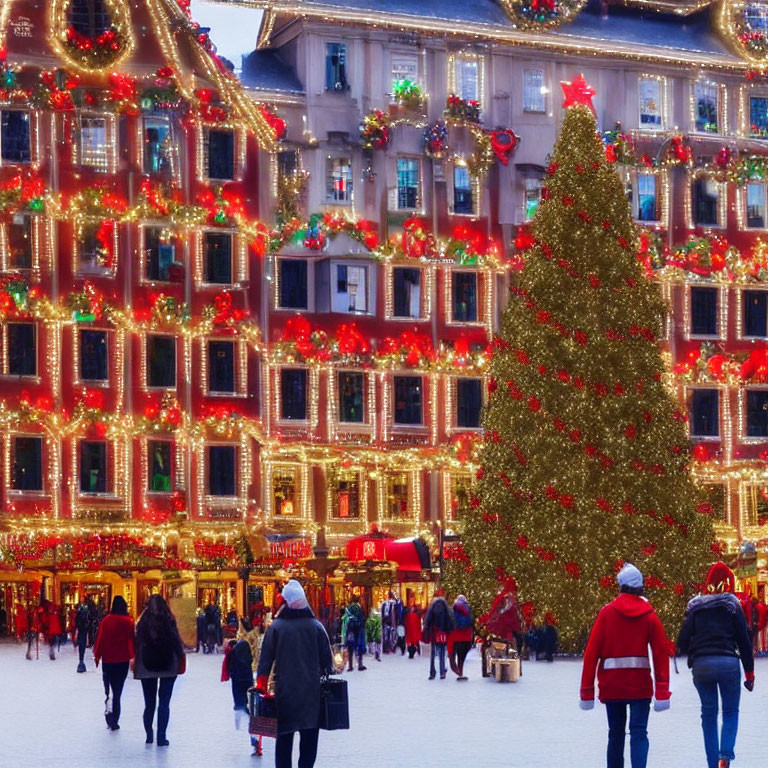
(157,145)
(336,67)
(293,394)
(704,413)
(93,142)
(706,203)
(20,242)
(351,397)
(161,361)
(93,466)
(406,292)
(14,136)
(469,402)
(349,293)
(221,470)
(463,199)
(706,104)
(293,284)
(221,367)
(217,258)
(651,96)
(758,116)
(755,314)
(96,244)
(93,348)
(704,311)
(464,299)
(338,180)
(27,464)
(345,497)
(284,495)
(159,254)
(407,183)
(397,496)
(532,197)
(757,413)
(221,154)
(534,91)
(159,461)
(22,349)
(408,400)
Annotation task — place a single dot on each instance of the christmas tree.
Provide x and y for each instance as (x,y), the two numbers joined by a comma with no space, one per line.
(584,464)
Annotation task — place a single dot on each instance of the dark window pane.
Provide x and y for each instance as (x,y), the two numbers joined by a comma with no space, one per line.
(406,290)
(89,17)
(221,155)
(221,470)
(28,464)
(22,352)
(705,420)
(469,401)
(93,355)
(218,257)
(705,202)
(93,467)
(14,137)
(159,465)
(465,297)
(704,311)
(462,191)
(20,242)
(161,361)
(335,67)
(408,400)
(755,315)
(293,393)
(293,284)
(157,157)
(221,366)
(159,255)
(757,413)
(351,397)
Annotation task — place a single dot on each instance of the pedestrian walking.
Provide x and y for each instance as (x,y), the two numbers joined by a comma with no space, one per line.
(412,621)
(373,633)
(618,651)
(297,649)
(438,624)
(160,659)
(114,647)
(460,638)
(49,624)
(86,628)
(715,637)
(353,632)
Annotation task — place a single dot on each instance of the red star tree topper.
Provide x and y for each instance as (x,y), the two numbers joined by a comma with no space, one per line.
(578,91)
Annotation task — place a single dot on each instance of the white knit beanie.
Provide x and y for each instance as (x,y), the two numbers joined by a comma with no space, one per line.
(629,576)
(293,594)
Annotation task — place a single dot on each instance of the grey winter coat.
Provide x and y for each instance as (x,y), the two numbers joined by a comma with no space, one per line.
(297,645)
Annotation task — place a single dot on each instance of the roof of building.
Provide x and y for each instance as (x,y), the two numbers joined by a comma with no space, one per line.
(266,70)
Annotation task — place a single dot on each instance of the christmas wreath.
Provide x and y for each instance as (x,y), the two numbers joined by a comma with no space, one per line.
(530,14)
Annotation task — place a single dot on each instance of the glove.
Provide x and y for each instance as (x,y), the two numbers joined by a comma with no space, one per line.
(660,705)
(587,704)
(749,683)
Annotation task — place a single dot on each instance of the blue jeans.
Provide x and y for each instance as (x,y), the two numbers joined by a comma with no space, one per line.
(438,649)
(638,731)
(709,674)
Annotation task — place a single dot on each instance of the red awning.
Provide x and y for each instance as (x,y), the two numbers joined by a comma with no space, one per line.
(404,552)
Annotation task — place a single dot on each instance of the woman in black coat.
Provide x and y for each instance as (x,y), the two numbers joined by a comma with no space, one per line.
(296,646)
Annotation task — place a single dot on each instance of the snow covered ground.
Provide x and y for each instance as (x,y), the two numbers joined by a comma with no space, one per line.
(51,716)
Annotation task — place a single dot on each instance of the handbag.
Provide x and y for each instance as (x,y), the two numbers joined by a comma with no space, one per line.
(263,712)
(334,704)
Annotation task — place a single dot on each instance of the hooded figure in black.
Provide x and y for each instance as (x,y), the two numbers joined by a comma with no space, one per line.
(438,624)
(297,650)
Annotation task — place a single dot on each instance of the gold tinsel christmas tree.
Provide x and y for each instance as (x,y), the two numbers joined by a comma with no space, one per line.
(585,459)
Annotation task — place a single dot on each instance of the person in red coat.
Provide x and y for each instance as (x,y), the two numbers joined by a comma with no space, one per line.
(460,639)
(115,646)
(412,621)
(618,651)
(49,623)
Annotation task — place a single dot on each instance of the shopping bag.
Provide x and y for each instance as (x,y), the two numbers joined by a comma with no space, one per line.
(334,704)
(263,712)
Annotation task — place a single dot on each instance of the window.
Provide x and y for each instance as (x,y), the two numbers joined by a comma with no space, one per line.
(406,292)
(407,183)
(350,291)
(397,496)
(14,137)
(756,16)
(703,311)
(404,67)
(89,17)
(338,180)
(159,255)
(96,248)
(532,197)
(351,397)
(221,154)
(651,96)
(161,361)
(534,91)
(221,366)
(705,105)
(464,297)
(93,142)
(755,314)
(221,470)
(157,145)
(706,202)
(647,209)
(758,116)
(284,503)
(347,498)
(756,214)
(461,495)
(336,67)
(293,394)
(217,251)
(462,191)
(93,355)
(408,399)
(469,401)
(93,466)
(705,404)
(466,83)
(293,284)
(20,242)
(27,464)
(757,413)
(22,349)
(159,453)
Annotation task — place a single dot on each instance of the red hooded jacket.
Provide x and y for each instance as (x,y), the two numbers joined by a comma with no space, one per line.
(115,640)
(619,640)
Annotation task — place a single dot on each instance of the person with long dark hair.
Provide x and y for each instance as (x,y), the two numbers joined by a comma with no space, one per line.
(159,659)
(114,647)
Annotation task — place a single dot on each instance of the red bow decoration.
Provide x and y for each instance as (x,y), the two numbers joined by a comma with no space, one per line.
(503,144)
